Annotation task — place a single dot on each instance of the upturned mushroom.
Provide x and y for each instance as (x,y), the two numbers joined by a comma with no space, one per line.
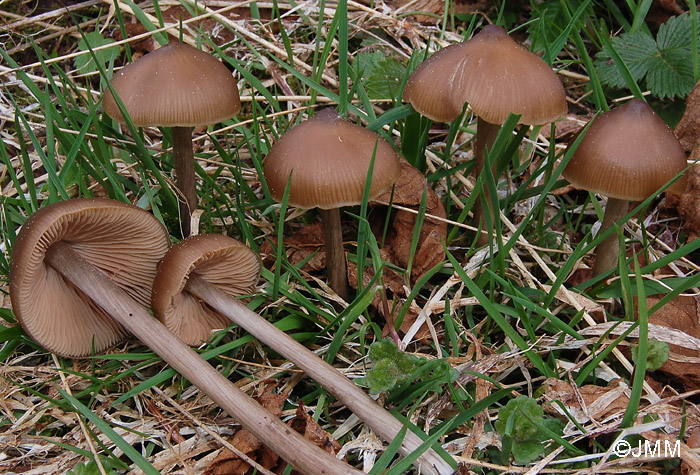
(627,154)
(497,77)
(180,87)
(79,263)
(328,160)
(195,290)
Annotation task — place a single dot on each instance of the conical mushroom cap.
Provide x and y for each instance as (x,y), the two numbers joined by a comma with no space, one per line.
(121,240)
(628,153)
(174,86)
(491,72)
(222,261)
(328,159)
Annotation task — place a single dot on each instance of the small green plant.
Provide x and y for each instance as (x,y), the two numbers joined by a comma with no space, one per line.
(524,429)
(391,366)
(90,468)
(85,63)
(657,354)
(382,75)
(662,63)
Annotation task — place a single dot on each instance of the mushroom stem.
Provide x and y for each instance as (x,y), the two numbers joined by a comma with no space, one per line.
(335,254)
(486,134)
(381,421)
(288,443)
(608,250)
(183,157)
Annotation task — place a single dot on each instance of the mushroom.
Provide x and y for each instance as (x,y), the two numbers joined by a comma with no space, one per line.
(86,258)
(196,285)
(181,87)
(497,77)
(222,262)
(51,310)
(627,154)
(328,159)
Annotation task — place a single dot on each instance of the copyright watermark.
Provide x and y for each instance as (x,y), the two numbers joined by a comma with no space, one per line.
(646,449)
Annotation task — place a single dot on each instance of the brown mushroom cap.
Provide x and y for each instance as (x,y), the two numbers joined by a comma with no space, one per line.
(329,158)
(174,86)
(491,72)
(121,240)
(628,153)
(223,262)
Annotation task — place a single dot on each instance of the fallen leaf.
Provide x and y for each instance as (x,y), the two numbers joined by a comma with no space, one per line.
(409,318)
(688,129)
(565,129)
(228,463)
(408,192)
(689,204)
(303,242)
(681,314)
(309,428)
(431,9)
(587,402)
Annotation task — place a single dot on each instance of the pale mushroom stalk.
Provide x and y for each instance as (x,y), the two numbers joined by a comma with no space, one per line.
(381,422)
(335,253)
(608,250)
(289,444)
(183,156)
(486,134)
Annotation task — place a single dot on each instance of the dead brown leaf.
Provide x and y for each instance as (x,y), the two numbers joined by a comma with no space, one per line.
(565,130)
(423,334)
(589,402)
(408,192)
(309,428)
(437,8)
(681,314)
(689,204)
(228,463)
(688,129)
(304,242)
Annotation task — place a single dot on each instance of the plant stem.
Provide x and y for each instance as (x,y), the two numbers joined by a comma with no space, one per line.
(279,437)
(608,250)
(486,134)
(347,392)
(183,157)
(335,254)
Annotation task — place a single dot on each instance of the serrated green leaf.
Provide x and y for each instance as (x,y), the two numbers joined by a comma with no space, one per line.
(85,63)
(637,50)
(677,32)
(671,74)
(663,63)
(527,451)
(382,76)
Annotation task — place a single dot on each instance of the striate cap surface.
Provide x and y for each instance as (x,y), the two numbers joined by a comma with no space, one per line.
(491,72)
(628,153)
(328,159)
(174,86)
